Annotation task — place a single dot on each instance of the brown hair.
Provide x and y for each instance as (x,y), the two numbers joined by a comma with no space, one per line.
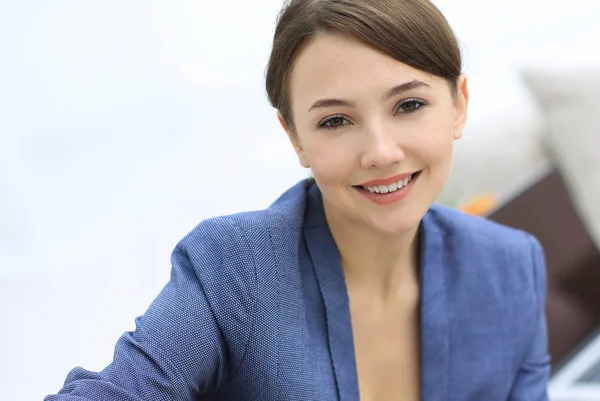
(413,32)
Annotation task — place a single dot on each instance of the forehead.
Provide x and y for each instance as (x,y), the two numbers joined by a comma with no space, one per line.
(334,64)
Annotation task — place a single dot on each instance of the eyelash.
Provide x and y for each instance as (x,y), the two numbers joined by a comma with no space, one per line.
(419,102)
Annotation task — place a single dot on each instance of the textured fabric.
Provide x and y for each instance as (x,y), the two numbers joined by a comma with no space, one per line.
(257,310)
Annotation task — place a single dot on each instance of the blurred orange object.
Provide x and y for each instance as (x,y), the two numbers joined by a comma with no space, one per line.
(479,206)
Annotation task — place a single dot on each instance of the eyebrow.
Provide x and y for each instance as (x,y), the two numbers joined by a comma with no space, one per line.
(405,87)
(396,90)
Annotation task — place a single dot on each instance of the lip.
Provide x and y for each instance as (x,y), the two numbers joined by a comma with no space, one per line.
(387,181)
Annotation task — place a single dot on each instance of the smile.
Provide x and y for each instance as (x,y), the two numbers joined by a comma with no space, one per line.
(390,193)
(384,189)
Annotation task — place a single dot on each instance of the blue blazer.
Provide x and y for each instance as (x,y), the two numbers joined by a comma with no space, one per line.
(256,310)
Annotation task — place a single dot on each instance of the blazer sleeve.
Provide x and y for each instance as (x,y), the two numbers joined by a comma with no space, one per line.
(193,335)
(532,378)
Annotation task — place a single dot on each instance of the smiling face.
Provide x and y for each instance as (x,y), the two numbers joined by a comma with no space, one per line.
(377,134)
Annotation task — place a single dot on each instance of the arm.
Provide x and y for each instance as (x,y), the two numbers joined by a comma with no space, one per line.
(179,348)
(532,378)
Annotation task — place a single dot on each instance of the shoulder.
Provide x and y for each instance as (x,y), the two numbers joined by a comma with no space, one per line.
(501,261)
(233,237)
(231,242)
(234,229)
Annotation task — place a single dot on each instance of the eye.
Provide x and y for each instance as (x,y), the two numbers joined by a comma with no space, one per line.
(410,105)
(333,122)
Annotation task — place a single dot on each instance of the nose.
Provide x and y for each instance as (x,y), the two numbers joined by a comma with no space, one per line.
(381,148)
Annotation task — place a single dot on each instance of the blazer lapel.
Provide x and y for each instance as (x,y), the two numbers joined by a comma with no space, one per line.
(434,314)
(332,284)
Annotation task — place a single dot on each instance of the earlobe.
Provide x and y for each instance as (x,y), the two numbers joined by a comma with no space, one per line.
(295,141)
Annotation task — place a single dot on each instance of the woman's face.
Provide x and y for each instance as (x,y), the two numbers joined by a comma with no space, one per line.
(377,134)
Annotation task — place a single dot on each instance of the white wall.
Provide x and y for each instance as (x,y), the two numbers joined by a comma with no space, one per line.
(123,124)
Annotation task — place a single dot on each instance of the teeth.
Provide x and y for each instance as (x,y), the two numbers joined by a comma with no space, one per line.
(384,189)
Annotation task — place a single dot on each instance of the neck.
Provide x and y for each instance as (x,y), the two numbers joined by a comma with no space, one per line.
(373,262)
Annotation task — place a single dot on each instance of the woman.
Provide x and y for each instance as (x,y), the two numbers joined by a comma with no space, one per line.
(352,285)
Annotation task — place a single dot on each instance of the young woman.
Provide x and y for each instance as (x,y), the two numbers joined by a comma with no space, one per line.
(353,285)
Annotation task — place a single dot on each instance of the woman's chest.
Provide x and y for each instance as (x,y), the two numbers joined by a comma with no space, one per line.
(387,349)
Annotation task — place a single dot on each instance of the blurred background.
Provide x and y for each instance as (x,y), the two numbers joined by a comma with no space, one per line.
(125,123)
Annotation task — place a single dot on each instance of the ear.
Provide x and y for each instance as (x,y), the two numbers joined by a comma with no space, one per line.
(461,103)
(295,141)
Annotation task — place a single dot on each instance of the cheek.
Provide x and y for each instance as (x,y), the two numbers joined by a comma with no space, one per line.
(437,148)
(331,161)
(436,142)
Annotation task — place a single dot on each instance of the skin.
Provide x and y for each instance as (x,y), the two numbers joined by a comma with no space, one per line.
(367,134)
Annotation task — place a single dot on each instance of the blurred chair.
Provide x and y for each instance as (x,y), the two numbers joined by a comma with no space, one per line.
(544,209)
